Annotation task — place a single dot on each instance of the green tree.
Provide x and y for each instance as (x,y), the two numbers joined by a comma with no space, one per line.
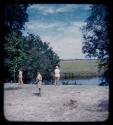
(40,57)
(14,53)
(95,34)
(15,17)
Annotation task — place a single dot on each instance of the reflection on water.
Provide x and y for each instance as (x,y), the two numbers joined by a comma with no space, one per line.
(89,81)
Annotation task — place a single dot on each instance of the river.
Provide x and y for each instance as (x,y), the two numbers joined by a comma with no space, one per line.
(86,81)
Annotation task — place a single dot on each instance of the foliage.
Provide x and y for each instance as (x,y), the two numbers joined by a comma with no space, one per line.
(14,53)
(15,17)
(95,34)
(40,57)
(31,54)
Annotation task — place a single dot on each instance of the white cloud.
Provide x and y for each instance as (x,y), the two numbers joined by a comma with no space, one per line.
(66,8)
(51,9)
(66,46)
(78,24)
(65,37)
(43,8)
(87,7)
(33,25)
(66,41)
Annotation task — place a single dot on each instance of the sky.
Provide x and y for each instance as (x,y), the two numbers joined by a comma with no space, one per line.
(59,24)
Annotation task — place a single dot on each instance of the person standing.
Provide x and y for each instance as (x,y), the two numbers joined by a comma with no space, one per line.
(57,75)
(39,82)
(20,77)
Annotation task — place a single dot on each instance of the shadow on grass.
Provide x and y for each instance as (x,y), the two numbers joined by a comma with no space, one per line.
(12,88)
(71,104)
(101,107)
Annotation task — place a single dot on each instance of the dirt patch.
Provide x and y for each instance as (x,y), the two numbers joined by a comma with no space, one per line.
(71,104)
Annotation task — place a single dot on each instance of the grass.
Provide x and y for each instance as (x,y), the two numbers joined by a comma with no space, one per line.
(79,68)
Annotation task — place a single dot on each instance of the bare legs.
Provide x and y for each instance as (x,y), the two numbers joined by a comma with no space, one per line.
(39,87)
(57,80)
(20,81)
(39,91)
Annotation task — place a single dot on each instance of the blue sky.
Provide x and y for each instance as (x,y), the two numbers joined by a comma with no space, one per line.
(59,24)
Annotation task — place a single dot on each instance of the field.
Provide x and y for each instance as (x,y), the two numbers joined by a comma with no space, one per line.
(80,68)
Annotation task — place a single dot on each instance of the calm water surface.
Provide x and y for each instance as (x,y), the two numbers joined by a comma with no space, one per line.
(88,81)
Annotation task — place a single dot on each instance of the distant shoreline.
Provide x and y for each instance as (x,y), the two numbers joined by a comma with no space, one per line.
(76,59)
(79,68)
(80,76)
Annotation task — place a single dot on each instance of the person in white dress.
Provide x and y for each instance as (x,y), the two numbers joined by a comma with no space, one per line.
(39,82)
(20,77)
(57,75)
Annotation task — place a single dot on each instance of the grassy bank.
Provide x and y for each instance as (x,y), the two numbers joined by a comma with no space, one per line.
(79,68)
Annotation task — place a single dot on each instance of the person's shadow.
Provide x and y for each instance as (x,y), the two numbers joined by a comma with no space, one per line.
(36,94)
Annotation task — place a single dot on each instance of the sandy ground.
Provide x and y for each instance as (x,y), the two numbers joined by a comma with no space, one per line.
(57,103)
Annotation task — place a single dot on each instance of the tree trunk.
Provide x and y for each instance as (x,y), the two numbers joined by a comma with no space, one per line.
(15,74)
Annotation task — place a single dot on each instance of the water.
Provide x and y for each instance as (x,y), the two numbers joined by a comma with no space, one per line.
(88,81)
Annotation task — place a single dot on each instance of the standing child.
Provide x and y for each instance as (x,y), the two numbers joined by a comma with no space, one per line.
(57,75)
(39,82)
(20,76)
